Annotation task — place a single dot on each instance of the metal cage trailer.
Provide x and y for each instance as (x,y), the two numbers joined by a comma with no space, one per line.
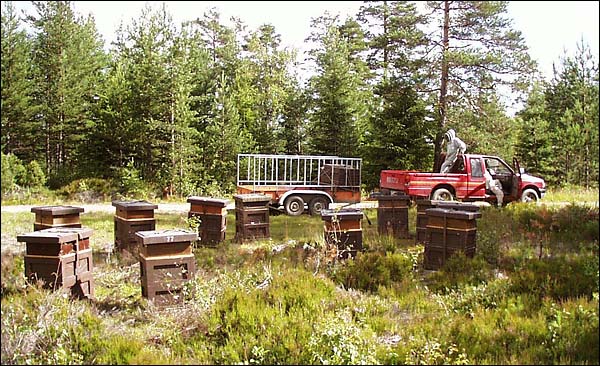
(299,182)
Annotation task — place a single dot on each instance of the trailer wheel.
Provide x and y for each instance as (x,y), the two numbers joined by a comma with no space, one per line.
(317,204)
(294,206)
(442,194)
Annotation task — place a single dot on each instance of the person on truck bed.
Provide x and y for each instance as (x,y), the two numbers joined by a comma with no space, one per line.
(493,185)
(454,147)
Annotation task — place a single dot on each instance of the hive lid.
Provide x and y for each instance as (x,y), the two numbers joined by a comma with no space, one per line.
(208,201)
(56,235)
(166,236)
(454,214)
(457,206)
(135,205)
(389,197)
(57,210)
(252,197)
(343,214)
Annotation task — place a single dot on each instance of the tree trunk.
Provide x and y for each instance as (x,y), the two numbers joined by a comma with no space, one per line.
(443,90)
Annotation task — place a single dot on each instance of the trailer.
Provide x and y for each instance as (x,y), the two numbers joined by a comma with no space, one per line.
(299,182)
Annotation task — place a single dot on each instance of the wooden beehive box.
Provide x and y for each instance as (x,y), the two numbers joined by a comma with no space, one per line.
(166,263)
(212,213)
(343,229)
(392,215)
(134,210)
(449,231)
(169,242)
(162,278)
(62,258)
(56,216)
(131,217)
(251,217)
(207,205)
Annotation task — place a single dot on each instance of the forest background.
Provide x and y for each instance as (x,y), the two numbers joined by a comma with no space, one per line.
(168,107)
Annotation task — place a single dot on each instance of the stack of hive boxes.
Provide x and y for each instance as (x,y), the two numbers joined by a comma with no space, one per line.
(47,217)
(212,213)
(61,258)
(392,215)
(251,216)
(449,231)
(343,229)
(131,217)
(166,263)
(424,205)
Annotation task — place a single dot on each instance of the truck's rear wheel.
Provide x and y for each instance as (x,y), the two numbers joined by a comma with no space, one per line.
(317,204)
(442,194)
(294,206)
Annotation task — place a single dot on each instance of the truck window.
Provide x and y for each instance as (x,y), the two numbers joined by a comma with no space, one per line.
(497,167)
(476,168)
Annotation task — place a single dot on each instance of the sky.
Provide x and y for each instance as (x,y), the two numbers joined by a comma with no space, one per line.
(549,27)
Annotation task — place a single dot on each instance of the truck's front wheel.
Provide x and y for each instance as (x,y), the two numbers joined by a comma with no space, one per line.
(294,206)
(529,195)
(442,194)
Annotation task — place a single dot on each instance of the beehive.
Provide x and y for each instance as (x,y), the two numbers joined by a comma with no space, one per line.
(131,217)
(61,258)
(251,216)
(166,263)
(212,213)
(343,229)
(47,217)
(392,215)
(449,231)
(423,205)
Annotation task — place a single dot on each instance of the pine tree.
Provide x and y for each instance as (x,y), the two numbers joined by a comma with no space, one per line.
(572,98)
(475,49)
(19,127)
(68,63)
(338,89)
(534,144)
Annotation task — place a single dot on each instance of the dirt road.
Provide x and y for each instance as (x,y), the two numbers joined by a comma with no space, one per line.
(162,207)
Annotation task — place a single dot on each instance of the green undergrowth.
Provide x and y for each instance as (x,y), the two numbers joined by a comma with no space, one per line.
(528,296)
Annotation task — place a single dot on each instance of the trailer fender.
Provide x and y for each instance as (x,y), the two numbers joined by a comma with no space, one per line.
(302,192)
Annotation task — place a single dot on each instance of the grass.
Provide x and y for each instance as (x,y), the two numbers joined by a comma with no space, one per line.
(571,194)
(529,296)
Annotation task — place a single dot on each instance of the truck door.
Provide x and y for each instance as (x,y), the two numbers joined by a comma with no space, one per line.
(516,188)
(476,182)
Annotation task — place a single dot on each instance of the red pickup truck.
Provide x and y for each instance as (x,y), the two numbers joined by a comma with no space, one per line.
(465,181)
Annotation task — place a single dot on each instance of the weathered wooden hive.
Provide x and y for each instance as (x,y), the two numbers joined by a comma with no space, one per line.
(343,229)
(251,216)
(212,213)
(131,217)
(449,231)
(392,215)
(47,217)
(166,263)
(423,205)
(61,258)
